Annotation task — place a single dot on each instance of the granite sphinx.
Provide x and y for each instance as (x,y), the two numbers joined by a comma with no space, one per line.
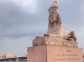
(56,34)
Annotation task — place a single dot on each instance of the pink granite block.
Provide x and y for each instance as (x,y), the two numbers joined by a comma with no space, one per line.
(64,54)
(37,54)
(54,54)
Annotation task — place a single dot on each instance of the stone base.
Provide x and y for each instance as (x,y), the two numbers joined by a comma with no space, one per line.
(54,54)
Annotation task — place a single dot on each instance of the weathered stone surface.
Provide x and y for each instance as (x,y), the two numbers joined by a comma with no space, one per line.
(62,38)
(37,54)
(49,39)
(54,54)
(64,54)
(56,35)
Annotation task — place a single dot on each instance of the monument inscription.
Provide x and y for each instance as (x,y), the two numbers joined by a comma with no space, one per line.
(64,54)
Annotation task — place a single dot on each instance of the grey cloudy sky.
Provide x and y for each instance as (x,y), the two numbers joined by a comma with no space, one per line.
(22,20)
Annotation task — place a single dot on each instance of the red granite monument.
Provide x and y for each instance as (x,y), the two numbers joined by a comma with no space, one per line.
(57,45)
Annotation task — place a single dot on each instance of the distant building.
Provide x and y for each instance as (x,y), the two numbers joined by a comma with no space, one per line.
(0,57)
(9,55)
(16,59)
(6,56)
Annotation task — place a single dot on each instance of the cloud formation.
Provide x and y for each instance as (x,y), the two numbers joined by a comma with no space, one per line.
(22,20)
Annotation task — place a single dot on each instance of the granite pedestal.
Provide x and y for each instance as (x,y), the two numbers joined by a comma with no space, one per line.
(54,54)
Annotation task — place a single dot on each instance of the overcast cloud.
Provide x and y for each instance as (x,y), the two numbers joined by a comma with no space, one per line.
(22,20)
